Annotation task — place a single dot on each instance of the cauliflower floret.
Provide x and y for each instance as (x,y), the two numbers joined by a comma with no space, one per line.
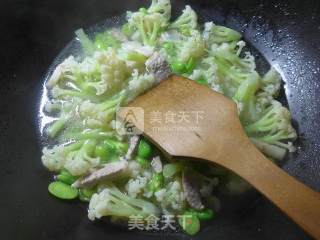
(135,46)
(76,165)
(100,114)
(111,202)
(161,6)
(139,84)
(80,162)
(208,71)
(104,72)
(135,54)
(186,22)
(67,66)
(149,26)
(171,198)
(134,168)
(193,46)
(160,194)
(98,205)
(150,22)
(218,34)
(136,186)
(54,158)
(113,71)
(271,82)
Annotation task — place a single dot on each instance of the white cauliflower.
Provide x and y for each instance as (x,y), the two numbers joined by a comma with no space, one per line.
(55,158)
(98,204)
(172,197)
(191,47)
(271,82)
(218,34)
(100,114)
(66,67)
(139,84)
(186,22)
(150,22)
(104,72)
(134,168)
(135,54)
(136,186)
(160,194)
(81,161)
(113,72)
(207,70)
(111,202)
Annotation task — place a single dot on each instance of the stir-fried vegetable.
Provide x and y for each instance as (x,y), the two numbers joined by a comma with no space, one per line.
(93,157)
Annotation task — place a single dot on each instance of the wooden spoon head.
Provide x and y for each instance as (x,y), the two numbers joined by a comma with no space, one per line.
(187,119)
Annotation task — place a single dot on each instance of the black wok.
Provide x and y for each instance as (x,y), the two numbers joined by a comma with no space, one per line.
(286,33)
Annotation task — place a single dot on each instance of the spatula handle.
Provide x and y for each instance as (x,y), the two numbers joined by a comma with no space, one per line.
(298,201)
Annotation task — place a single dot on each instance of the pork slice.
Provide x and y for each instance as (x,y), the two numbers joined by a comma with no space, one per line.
(108,171)
(156,164)
(133,144)
(191,189)
(158,65)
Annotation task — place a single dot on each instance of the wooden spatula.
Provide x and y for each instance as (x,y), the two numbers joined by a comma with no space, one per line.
(186,119)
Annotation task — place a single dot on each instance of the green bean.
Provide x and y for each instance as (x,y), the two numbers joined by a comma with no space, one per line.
(143,10)
(104,40)
(205,214)
(156,182)
(189,223)
(89,146)
(144,149)
(143,162)
(185,31)
(85,194)
(202,81)
(135,56)
(171,169)
(121,147)
(116,146)
(109,144)
(178,67)
(127,29)
(62,190)
(169,48)
(191,64)
(66,179)
(56,127)
(99,43)
(103,153)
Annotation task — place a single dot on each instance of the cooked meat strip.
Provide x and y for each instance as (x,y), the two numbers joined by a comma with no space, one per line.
(158,65)
(156,164)
(191,190)
(133,144)
(108,171)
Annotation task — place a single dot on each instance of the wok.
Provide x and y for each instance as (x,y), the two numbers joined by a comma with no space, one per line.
(286,33)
